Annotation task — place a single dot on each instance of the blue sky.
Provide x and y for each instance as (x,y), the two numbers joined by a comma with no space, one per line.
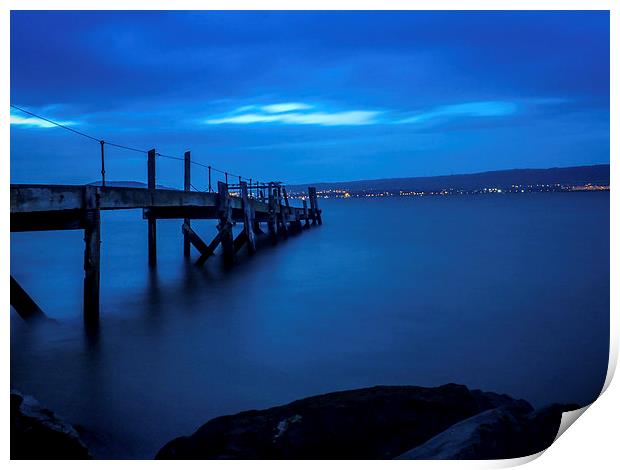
(309,96)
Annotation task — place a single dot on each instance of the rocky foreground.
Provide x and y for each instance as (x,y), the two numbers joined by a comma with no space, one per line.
(37,433)
(385,422)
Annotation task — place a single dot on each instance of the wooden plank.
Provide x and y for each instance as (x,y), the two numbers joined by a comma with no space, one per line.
(187,183)
(23,304)
(136,198)
(35,198)
(40,198)
(152,222)
(248,219)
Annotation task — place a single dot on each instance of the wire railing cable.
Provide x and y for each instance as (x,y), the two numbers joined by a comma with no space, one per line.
(103,142)
(56,123)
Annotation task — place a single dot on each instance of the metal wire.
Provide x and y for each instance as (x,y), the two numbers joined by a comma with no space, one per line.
(126,147)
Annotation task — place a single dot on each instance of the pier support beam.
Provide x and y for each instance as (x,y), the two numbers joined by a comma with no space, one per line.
(225,224)
(248,218)
(205,250)
(152,221)
(187,182)
(210,250)
(23,304)
(92,258)
(194,239)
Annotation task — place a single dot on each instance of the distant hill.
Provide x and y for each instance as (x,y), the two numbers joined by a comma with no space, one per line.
(575,175)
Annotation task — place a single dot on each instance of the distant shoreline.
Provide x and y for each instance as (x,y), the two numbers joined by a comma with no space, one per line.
(515,189)
(577,178)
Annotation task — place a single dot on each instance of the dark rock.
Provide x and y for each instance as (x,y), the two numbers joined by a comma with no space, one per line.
(372,423)
(501,433)
(37,433)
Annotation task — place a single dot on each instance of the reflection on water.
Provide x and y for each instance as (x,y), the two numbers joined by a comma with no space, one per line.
(505,293)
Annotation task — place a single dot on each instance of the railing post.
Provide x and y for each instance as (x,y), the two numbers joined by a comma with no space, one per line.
(187,183)
(152,221)
(102,143)
(210,189)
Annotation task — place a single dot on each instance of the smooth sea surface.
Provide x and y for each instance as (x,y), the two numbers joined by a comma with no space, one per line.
(507,293)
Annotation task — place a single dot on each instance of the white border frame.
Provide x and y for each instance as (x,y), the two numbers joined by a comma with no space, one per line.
(592,442)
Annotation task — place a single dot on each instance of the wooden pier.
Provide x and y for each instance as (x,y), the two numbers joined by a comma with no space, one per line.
(37,207)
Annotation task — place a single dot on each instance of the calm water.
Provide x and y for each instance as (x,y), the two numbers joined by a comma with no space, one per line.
(505,293)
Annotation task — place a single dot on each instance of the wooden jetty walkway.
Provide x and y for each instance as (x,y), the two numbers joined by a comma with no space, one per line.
(37,207)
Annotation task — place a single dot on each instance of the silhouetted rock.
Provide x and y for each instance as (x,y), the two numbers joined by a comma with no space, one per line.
(500,433)
(37,433)
(371,423)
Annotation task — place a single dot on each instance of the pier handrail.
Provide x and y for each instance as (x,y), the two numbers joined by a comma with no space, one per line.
(103,142)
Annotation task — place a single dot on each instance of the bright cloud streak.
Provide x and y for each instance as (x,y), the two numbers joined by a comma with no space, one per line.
(473,109)
(285,107)
(296,113)
(35,122)
(345,118)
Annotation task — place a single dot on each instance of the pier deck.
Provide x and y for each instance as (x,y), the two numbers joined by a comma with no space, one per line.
(39,207)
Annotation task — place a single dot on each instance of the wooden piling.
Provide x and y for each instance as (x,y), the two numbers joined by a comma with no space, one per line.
(92,242)
(306,217)
(225,223)
(248,218)
(312,197)
(152,221)
(285,197)
(317,209)
(272,215)
(282,214)
(187,183)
